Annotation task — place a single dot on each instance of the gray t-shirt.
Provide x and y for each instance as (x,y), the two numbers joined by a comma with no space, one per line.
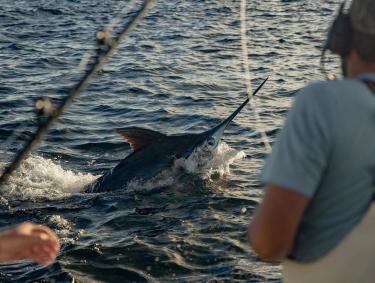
(326,151)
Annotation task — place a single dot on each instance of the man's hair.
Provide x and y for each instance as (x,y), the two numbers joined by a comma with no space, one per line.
(362,15)
(365,46)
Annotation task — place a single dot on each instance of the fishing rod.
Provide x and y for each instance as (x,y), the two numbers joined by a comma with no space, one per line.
(107,45)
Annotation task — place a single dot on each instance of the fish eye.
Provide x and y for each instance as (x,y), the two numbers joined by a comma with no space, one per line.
(211,142)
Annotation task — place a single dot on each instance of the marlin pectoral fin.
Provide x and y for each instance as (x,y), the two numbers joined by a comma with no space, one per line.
(139,138)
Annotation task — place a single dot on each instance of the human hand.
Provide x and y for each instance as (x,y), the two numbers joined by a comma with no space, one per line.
(29,241)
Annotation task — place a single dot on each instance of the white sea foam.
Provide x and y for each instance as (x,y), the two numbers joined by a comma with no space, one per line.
(201,162)
(214,162)
(38,177)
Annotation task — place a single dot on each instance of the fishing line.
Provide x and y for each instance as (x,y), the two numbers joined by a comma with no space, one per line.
(106,46)
(246,67)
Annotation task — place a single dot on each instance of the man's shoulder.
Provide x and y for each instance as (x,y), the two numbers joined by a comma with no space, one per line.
(325,91)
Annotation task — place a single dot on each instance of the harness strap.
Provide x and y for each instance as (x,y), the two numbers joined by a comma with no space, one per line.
(370,84)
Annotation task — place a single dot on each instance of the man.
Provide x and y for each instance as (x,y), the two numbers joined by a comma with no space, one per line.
(317,215)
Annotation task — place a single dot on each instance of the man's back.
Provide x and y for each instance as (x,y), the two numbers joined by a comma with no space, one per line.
(332,125)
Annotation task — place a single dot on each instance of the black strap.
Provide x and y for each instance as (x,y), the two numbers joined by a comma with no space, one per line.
(370,85)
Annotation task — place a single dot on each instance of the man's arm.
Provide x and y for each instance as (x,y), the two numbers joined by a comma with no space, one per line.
(274,225)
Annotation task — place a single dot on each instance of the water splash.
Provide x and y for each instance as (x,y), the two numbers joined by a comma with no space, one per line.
(203,162)
(208,163)
(41,178)
(38,178)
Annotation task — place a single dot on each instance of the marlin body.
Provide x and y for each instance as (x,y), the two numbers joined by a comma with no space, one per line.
(155,152)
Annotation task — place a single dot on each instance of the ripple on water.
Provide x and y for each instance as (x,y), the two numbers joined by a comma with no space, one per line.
(180,70)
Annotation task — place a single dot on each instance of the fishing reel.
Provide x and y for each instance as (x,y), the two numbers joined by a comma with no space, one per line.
(44,107)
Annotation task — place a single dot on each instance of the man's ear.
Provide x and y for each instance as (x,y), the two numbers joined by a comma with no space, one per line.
(352,64)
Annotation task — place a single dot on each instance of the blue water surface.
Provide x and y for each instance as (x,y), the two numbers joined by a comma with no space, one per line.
(179,71)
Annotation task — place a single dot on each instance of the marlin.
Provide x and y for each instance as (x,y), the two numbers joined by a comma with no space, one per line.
(154,152)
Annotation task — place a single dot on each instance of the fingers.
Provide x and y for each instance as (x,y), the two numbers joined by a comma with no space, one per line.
(42,254)
(38,231)
(45,234)
(41,258)
(48,244)
(23,228)
(35,242)
(46,230)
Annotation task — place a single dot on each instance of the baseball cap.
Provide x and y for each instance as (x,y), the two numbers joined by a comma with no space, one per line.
(362,15)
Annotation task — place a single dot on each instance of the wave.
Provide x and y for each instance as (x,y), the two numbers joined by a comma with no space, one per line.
(41,178)
(38,177)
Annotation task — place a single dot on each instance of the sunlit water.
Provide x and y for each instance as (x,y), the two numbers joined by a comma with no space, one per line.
(179,71)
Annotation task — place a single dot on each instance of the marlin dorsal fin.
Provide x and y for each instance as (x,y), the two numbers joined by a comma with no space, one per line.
(139,138)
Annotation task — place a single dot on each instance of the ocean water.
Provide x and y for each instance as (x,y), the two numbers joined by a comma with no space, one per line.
(179,71)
